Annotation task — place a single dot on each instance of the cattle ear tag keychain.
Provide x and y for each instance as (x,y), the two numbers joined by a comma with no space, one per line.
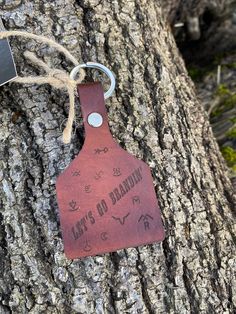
(106,196)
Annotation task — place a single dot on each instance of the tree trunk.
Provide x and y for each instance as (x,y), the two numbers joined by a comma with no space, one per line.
(156,116)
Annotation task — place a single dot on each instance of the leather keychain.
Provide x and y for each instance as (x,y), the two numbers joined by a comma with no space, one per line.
(106,196)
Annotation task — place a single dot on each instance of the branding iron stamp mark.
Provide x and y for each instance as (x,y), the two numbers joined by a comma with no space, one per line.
(122,219)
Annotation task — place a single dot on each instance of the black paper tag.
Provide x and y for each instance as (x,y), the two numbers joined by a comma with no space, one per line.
(7,64)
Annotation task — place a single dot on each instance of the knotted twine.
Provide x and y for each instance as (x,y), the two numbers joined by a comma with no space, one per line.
(55,77)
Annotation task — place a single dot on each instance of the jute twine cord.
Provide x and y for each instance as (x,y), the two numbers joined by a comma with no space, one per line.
(55,77)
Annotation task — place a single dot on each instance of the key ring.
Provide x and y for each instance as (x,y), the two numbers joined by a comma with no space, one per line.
(100,67)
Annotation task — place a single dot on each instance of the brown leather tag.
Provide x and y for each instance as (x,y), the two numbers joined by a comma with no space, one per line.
(106,196)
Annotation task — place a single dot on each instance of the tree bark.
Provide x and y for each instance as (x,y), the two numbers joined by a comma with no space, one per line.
(154,115)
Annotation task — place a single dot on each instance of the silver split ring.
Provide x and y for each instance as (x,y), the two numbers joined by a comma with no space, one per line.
(100,67)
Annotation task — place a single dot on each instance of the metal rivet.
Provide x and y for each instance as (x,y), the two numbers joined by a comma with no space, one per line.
(95,119)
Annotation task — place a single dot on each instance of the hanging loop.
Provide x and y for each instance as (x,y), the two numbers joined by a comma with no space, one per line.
(100,67)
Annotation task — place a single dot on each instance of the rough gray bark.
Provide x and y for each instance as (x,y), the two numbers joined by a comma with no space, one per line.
(156,116)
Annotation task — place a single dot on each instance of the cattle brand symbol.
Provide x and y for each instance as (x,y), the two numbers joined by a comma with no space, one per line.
(136,199)
(98,175)
(101,150)
(76,173)
(87,189)
(73,206)
(122,219)
(116,172)
(104,236)
(145,218)
(87,246)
